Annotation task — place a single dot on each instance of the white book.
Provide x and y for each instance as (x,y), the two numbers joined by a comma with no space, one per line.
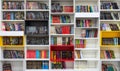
(53,30)
(59,40)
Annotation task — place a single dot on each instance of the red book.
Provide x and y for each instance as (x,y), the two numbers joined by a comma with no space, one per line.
(68,8)
(31,54)
(95,35)
(55,19)
(45,53)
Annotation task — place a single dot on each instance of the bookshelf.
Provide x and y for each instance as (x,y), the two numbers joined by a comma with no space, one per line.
(79,35)
(112,49)
(86,35)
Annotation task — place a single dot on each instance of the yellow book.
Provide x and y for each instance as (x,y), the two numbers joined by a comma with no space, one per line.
(102,54)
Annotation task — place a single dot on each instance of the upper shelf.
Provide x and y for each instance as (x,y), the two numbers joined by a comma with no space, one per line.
(110,10)
(11,33)
(87,15)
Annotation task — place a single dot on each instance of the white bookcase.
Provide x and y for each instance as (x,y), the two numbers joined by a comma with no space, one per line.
(90,55)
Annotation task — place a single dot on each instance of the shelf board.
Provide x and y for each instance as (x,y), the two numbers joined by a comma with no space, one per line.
(112,46)
(37,45)
(63,35)
(110,31)
(37,35)
(12,33)
(110,10)
(38,59)
(110,59)
(62,60)
(62,45)
(12,46)
(13,20)
(37,10)
(14,0)
(86,49)
(61,13)
(86,27)
(86,38)
(87,15)
(110,20)
(13,10)
(88,59)
(54,24)
(36,20)
(18,59)
(37,70)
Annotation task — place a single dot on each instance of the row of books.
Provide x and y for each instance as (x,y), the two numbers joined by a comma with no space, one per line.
(111,41)
(37,15)
(80,43)
(56,7)
(61,19)
(109,5)
(61,40)
(13,5)
(108,67)
(12,26)
(86,8)
(35,30)
(36,5)
(58,65)
(89,33)
(59,55)
(80,54)
(37,40)
(109,27)
(110,16)
(13,15)
(86,23)
(107,54)
(6,67)
(37,54)
(13,54)
(37,65)
(12,40)
(62,29)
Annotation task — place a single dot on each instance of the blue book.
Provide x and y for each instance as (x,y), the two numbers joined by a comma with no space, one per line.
(72,30)
(46,65)
(52,41)
(108,54)
(12,16)
(37,54)
(87,33)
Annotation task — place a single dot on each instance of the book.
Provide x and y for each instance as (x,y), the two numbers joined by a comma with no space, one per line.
(37,16)
(13,5)
(37,40)
(37,65)
(109,5)
(107,54)
(13,15)
(13,54)
(37,54)
(86,8)
(61,19)
(7,67)
(36,5)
